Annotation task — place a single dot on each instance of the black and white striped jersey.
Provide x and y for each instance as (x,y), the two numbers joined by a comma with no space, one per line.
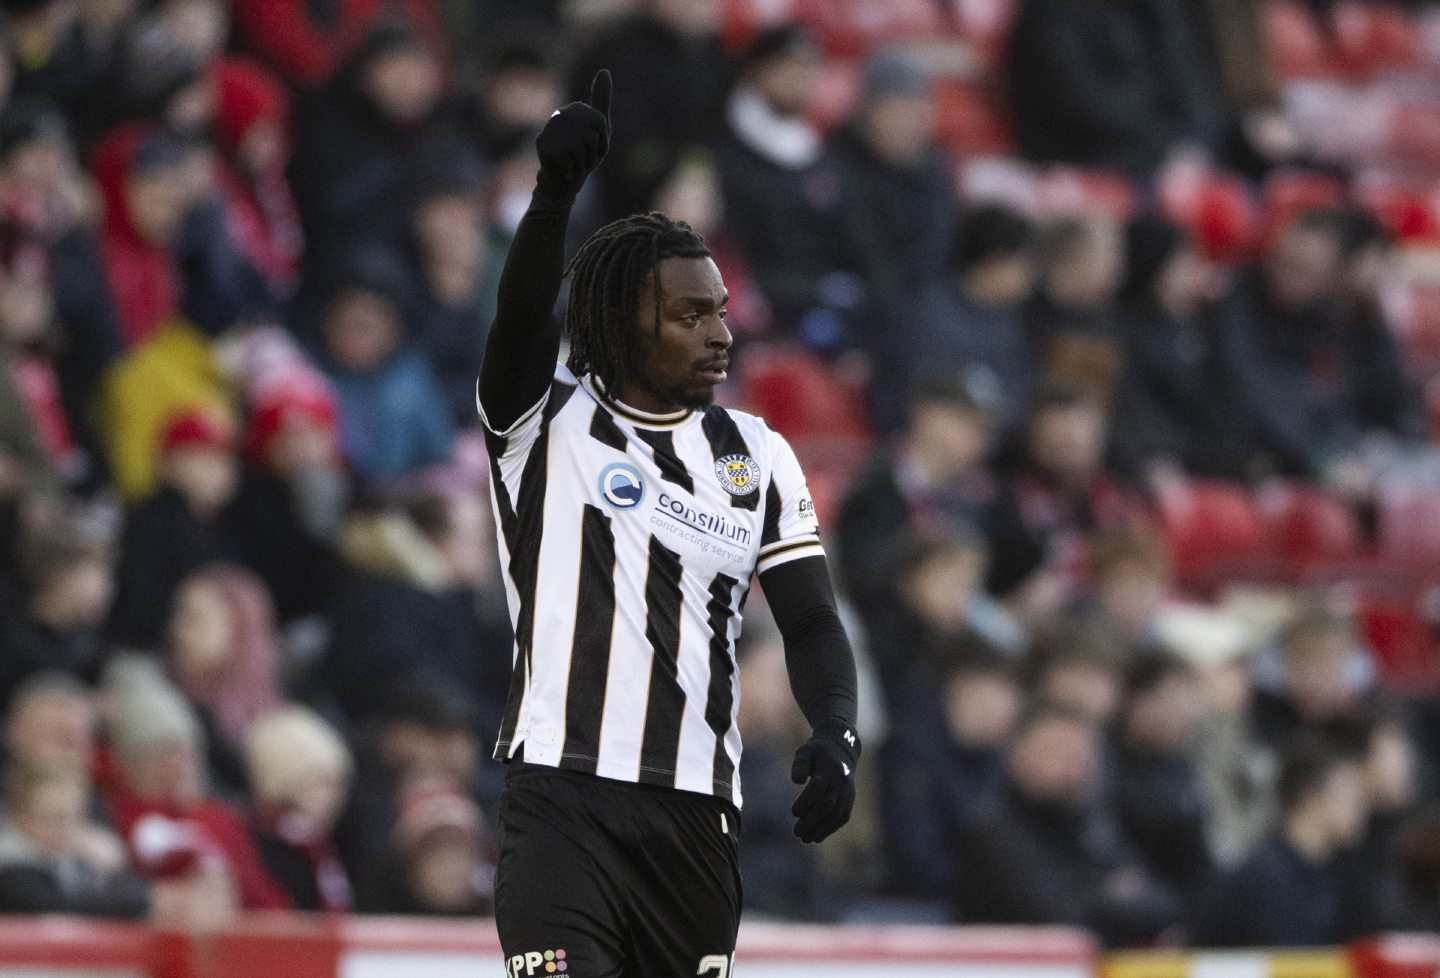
(629,541)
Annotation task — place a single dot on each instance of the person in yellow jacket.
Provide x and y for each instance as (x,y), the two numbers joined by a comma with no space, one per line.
(172,371)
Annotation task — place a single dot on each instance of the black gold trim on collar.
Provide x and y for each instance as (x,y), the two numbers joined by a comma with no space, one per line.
(635,416)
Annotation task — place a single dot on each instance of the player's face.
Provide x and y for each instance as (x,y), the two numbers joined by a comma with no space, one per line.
(681,360)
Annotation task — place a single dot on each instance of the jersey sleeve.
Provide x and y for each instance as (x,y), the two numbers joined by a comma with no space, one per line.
(791,529)
(521,434)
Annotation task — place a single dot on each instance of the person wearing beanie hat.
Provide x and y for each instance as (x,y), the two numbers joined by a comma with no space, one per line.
(179,527)
(896,202)
(300,770)
(162,809)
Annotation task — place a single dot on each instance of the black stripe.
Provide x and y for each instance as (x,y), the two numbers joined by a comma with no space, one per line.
(662,443)
(770,532)
(725,439)
(665,705)
(590,651)
(524,544)
(720,700)
(604,429)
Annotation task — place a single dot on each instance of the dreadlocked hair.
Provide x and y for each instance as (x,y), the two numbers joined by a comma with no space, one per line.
(607,276)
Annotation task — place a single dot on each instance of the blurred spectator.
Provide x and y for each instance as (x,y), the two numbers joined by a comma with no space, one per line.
(393,417)
(1131,581)
(930,475)
(783,878)
(252,136)
(1172,411)
(1420,866)
(1073,318)
(141,174)
(1051,853)
(1234,38)
(62,52)
(1077,666)
(409,605)
(67,580)
(894,219)
(941,602)
(1380,397)
(1293,891)
(691,192)
(178,528)
(306,43)
(48,232)
(1118,84)
(939,775)
(425,732)
(1055,495)
(1237,770)
(1314,678)
(1288,383)
(779,199)
(670,46)
(376,124)
(220,651)
(974,319)
(52,859)
(445,856)
(36,438)
(518,90)
(1389,766)
(51,724)
(172,826)
(456,285)
(300,770)
(1154,780)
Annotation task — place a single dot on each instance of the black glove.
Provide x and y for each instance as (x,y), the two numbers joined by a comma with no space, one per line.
(575,140)
(828,760)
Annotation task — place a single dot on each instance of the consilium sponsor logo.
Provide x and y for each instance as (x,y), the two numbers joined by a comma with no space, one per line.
(622,486)
(712,524)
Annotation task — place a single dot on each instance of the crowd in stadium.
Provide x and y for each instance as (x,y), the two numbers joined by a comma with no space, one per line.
(1102,328)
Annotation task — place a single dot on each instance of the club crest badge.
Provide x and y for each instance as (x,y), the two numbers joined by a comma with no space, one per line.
(739,475)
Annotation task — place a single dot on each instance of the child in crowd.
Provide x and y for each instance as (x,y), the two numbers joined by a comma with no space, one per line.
(300,772)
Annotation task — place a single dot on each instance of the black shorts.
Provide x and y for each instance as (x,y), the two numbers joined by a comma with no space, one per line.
(605,879)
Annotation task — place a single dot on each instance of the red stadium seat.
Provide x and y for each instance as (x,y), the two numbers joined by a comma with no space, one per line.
(1410,529)
(1370,39)
(1413,135)
(1403,642)
(804,397)
(971,119)
(1211,526)
(1287,193)
(1298,47)
(1070,190)
(1306,527)
(1410,211)
(1217,209)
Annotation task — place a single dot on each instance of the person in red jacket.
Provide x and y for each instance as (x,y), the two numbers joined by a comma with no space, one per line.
(169,822)
(305,47)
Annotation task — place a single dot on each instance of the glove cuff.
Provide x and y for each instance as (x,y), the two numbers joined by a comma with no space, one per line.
(842,733)
(552,191)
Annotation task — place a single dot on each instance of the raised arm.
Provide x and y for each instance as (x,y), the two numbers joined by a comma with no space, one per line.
(822,677)
(524,341)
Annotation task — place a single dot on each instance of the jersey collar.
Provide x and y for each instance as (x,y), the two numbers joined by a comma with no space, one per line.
(672,419)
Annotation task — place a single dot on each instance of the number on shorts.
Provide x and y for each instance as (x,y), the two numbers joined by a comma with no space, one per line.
(717,963)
